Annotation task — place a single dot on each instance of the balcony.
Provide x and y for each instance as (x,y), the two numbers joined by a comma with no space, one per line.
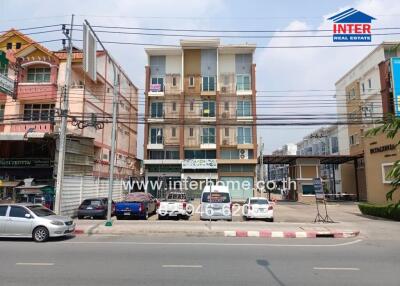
(208,142)
(156,89)
(35,126)
(156,117)
(156,143)
(37,91)
(243,85)
(208,85)
(207,115)
(244,142)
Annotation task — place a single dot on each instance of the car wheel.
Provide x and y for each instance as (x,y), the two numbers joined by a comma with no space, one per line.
(119,217)
(161,217)
(80,216)
(146,216)
(270,219)
(40,234)
(245,218)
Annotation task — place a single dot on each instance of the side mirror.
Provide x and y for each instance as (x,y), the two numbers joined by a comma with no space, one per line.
(28,216)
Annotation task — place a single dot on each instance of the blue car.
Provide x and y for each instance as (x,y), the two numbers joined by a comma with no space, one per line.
(137,204)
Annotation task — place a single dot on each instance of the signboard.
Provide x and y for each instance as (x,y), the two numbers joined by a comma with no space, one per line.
(156,87)
(319,191)
(6,83)
(395,73)
(199,164)
(383,148)
(21,163)
(89,53)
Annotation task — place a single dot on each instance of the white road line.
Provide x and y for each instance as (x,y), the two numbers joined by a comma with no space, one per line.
(211,243)
(337,268)
(34,264)
(181,266)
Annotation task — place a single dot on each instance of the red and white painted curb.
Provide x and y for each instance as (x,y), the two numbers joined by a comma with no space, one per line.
(290,234)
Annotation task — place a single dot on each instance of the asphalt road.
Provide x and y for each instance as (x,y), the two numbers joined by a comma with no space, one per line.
(130,260)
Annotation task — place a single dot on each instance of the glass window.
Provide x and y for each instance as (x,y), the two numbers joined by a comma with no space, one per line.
(200,154)
(174,81)
(191,132)
(18,212)
(208,83)
(156,136)
(173,132)
(191,106)
(243,82)
(334,145)
(3,210)
(191,81)
(244,135)
(171,154)
(208,135)
(216,197)
(39,112)
(2,107)
(157,80)
(243,108)
(3,69)
(173,106)
(226,105)
(369,83)
(208,109)
(259,202)
(226,132)
(39,75)
(40,211)
(157,110)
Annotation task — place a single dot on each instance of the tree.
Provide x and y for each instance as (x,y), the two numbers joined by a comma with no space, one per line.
(390,126)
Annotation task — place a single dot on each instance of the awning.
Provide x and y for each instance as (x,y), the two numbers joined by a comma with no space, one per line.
(291,159)
(9,184)
(21,136)
(31,192)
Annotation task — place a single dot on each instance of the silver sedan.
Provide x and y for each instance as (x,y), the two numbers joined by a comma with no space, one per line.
(33,221)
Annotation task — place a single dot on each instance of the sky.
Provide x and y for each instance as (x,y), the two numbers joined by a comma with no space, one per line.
(284,76)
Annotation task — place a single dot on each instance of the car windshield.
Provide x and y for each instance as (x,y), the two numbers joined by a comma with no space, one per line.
(40,211)
(91,203)
(216,198)
(258,202)
(175,197)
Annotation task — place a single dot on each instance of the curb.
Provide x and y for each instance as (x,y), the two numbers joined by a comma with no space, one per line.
(291,234)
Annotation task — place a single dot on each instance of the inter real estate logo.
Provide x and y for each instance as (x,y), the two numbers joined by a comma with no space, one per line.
(351,25)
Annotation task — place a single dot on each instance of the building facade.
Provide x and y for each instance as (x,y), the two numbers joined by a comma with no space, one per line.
(201,114)
(277,172)
(30,121)
(365,95)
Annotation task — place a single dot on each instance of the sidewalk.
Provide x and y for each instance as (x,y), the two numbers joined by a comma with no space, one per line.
(218,228)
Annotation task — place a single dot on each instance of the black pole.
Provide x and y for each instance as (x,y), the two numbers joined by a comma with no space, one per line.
(334,179)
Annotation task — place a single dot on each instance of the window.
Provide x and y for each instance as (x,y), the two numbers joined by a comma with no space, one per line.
(200,154)
(171,154)
(234,154)
(9,46)
(156,136)
(155,81)
(174,81)
(242,82)
(191,81)
(353,139)
(2,106)
(334,145)
(18,212)
(244,135)
(39,75)
(226,105)
(18,46)
(173,106)
(173,132)
(208,83)
(368,110)
(226,132)
(3,69)
(243,108)
(369,83)
(3,210)
(386,167)
(191,105)
(157,110)
(39,112)
(191,132)
(208,109)
(363,87)
(208,135)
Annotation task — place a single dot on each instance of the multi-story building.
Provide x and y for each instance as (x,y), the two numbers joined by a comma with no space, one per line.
(29,122)
(201,114)
(365,94)
(277,172)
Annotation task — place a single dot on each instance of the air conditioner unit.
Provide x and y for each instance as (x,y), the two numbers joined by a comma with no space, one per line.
(223,89)
(243,154)
(225,142)
(225,115)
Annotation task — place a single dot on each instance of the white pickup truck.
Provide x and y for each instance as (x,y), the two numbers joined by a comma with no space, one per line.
(176,204)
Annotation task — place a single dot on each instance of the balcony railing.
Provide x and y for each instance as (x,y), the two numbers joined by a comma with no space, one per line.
(243,86)
(156,140)
(244,140)
(40,91)
(36,126)
(210,139)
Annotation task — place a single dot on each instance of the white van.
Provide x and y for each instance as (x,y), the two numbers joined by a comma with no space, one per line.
(217,204)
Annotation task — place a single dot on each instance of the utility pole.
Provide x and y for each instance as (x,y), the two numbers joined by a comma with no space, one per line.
(64,114)
(114,125)
(261,159)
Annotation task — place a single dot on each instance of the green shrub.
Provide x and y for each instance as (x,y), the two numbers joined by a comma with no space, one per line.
(385,211)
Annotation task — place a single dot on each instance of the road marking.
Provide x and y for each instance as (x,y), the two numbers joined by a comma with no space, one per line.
(337,268)
(181,266)
(34,264)
(212,243)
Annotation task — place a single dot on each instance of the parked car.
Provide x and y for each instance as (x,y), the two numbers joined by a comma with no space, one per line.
(96,208)
(176,204)
(258,208)
(216,203)
(33,221)
(137,204)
